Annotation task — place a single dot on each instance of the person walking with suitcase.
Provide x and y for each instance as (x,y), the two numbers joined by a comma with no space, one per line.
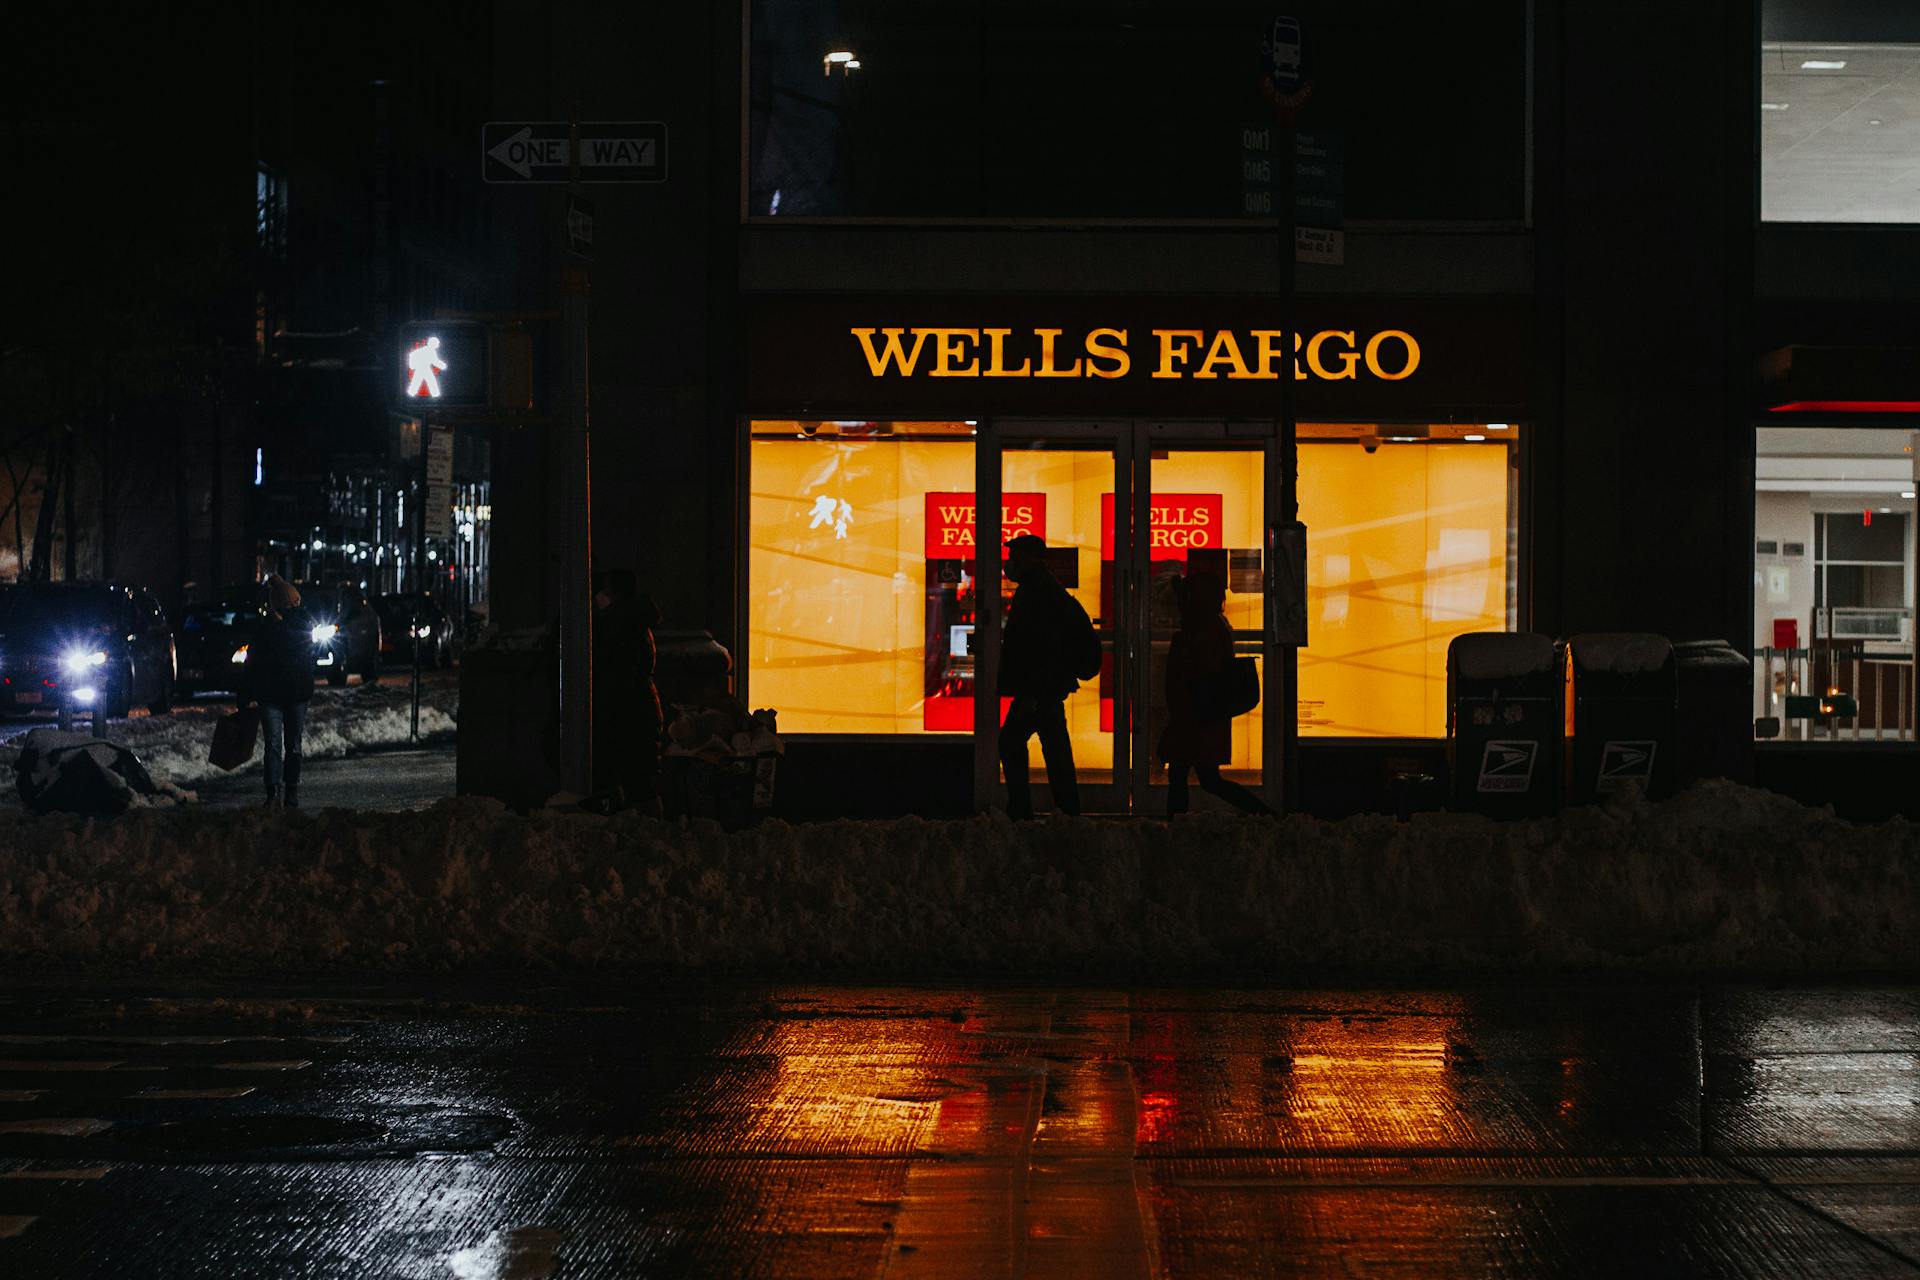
(1199,732)
(279,674)
(1048,648)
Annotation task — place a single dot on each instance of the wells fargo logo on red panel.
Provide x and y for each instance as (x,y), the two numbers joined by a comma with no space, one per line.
(1176,524)
(950,521)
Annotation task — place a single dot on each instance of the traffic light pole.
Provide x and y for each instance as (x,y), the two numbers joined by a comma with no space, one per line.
(1289,673)
(572,501)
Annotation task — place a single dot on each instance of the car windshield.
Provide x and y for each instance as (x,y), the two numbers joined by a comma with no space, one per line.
(319,602)
(63,611)
(217,615)
(400,608)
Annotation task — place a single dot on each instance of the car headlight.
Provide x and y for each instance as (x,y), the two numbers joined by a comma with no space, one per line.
(423,633)
(79,661)
(325,632)
(85,697)
(239,656)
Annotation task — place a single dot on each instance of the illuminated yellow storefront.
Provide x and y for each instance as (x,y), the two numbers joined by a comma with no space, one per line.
(859,566)
(1410,546)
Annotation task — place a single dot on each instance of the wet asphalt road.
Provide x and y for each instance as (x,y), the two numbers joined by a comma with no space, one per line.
(526,1130)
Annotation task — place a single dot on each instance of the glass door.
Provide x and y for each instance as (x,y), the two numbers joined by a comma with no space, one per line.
(1202,501)
(1126,509)
(1063,482)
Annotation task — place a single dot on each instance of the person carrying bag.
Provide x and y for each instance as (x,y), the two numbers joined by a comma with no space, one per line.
(1206,688)
(234,739)
(279,677)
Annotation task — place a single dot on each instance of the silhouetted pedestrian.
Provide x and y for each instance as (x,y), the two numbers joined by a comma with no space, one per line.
(1199,737)
(1044,653)
(279,679)
(626,713)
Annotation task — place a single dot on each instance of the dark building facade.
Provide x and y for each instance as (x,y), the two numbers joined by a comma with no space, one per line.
(1587,341)
(918,282)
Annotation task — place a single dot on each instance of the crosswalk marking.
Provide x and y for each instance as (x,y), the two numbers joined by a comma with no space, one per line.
(232,1091)
(58,1126)
(21,1095)
(13,1226)
(91,1174)
(31,1064)
(288,1064)
(172,1041)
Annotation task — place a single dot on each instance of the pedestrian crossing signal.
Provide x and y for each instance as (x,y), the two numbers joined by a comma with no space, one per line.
(444,365)
(423,362)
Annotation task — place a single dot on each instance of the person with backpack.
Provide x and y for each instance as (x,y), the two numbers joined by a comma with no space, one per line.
(1199,732)
(1049,646)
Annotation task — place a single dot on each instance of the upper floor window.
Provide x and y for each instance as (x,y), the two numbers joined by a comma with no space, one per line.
(1133,109)
(1839,112)
(270,212)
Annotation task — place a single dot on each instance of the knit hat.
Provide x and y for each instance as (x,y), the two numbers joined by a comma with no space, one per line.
(1027,546)
(282,594)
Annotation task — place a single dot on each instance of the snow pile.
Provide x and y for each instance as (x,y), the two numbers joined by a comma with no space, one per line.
(77,773)
(1623,653)
(339,722)
(1721,879)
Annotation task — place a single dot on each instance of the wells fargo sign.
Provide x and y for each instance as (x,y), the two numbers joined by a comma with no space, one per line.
(1355,359)
(951,521)
(1176,524)
(1331,355)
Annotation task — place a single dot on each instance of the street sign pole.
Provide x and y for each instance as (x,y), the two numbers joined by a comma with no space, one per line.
(420,558)
(1288,92)
(1289,455)
(572,498)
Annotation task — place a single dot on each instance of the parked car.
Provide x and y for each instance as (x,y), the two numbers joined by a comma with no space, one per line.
(85,646)
(400,617)
(346,631)
(211,642)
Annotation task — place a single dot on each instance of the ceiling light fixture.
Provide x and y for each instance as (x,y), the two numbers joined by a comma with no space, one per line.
(1775,106)
(1496,426)
(1821,64)
(1473,439)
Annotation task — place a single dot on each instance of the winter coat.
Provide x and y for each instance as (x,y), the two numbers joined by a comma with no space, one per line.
(280,660)
(623,663)
(1034,652)
(1196,658)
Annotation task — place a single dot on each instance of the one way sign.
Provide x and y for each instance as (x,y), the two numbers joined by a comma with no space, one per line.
(610,151)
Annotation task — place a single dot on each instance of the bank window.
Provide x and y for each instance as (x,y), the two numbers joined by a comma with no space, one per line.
(1413,538)
(1838,132)
(840,573)
(1060,109)
(1833,584)
(860,588)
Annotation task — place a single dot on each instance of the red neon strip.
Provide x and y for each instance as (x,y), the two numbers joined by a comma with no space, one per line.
(1848,406)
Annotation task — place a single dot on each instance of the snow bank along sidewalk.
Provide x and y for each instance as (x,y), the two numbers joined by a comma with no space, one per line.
(1721,879)
(339,722)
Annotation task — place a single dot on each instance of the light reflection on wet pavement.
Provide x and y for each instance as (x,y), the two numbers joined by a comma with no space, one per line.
(522,1131)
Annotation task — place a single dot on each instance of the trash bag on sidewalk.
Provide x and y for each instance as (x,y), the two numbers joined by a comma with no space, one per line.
(76,773)
(721,762)
(736,791)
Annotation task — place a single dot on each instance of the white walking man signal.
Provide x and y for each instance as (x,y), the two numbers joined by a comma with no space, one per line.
(424,360)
